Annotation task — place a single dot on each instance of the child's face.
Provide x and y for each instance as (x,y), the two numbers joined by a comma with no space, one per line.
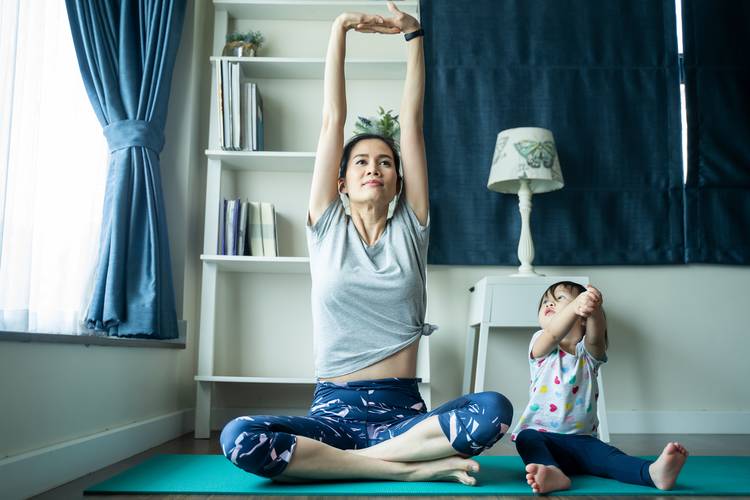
(555,302)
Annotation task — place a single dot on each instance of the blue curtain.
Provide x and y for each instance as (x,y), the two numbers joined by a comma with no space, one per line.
(126,51)
(603,76)
(717,90)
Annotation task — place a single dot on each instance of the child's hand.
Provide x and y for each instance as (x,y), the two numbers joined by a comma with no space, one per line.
(587,302)
(597,293)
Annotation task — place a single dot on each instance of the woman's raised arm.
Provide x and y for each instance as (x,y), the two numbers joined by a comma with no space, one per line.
(411,118)
(331,141)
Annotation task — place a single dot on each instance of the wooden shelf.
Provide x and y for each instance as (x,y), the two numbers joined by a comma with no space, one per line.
(264,161)
(256,380)
(307,10)
(247,264)
(311,68)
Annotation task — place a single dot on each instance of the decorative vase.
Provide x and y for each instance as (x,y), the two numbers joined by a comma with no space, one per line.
(239,49)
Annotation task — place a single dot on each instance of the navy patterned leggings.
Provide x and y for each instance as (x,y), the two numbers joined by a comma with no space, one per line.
(359,414)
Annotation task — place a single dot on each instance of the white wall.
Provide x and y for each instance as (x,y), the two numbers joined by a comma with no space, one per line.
(54,393)
(678,333)
(678,336)
(678,341)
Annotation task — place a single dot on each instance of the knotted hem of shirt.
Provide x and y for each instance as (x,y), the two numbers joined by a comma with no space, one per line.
(427,329)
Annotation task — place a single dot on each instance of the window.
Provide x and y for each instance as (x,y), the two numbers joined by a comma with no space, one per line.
(53,159)
(683,107)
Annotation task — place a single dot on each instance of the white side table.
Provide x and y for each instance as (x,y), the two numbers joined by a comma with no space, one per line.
(510,302)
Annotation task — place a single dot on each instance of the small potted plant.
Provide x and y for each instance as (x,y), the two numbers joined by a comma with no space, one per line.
(384,124)
(243,44)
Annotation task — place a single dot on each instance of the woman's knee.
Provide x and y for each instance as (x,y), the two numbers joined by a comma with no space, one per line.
(233,432)
(250,445)
(495,404)
(480,423)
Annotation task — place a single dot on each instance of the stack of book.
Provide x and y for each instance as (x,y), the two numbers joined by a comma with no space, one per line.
(240,109)
(247,228)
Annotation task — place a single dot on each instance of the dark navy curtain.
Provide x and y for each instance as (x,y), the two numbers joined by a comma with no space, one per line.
(717,89)
(126,51)
(603,76)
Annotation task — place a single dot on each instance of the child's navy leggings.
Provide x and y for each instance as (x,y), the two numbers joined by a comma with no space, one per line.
(581,454)
(359,414)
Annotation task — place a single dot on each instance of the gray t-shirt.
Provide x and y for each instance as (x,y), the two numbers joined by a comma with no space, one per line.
(368,302)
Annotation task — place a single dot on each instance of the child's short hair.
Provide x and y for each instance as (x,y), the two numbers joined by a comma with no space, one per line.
(571,285)
(567,284)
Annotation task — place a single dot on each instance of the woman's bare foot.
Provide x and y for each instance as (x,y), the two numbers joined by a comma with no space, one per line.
(445,469)
(667,467)
(546,478)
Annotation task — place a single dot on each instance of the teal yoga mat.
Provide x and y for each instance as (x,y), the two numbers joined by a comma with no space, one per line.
(214,474)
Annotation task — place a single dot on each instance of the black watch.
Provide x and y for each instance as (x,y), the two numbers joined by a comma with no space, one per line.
(414,34)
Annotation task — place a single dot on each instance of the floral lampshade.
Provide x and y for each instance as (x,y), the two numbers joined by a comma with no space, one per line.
(525,153)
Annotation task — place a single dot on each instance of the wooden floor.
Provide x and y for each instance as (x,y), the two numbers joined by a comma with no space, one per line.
(633,444)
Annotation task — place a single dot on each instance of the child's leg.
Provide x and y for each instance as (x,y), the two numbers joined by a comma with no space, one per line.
(547,461)
(600,459)
(667,467)
(533,448)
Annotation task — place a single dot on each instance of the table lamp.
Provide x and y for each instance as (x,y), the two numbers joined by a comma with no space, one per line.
(525,162)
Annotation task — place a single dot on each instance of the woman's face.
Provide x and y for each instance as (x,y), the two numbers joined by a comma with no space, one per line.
(371,175)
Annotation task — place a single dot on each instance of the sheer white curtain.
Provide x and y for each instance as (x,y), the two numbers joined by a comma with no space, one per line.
(53,160)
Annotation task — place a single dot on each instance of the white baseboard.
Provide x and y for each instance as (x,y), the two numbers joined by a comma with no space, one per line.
(620,422)
(34,472)
(679,422)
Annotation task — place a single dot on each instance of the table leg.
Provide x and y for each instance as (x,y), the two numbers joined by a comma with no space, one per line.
(471,342)
(484,333)
(602,410)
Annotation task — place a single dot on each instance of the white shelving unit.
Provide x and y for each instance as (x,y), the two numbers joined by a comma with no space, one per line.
(306,10)
(292,91)
(312,68)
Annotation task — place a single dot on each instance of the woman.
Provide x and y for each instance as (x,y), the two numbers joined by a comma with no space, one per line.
(367,419)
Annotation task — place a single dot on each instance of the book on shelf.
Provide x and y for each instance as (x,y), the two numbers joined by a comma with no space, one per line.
(242,233)
(221,239)
(232,226)
(253,118)
(268,230)
(258,121)
(220,108)
(254,229)
(226,105)
(247,228)
(235,110)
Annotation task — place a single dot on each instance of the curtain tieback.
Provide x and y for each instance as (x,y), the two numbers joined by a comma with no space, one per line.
(134,133)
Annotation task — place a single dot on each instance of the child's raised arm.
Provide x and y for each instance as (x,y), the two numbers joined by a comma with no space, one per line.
(582,306)
(595,339)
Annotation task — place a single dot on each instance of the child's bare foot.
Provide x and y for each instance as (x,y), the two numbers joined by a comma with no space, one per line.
(546,478)
(669,464)
(446,469)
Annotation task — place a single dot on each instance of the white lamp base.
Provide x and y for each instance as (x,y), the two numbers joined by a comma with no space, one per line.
(525,243)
